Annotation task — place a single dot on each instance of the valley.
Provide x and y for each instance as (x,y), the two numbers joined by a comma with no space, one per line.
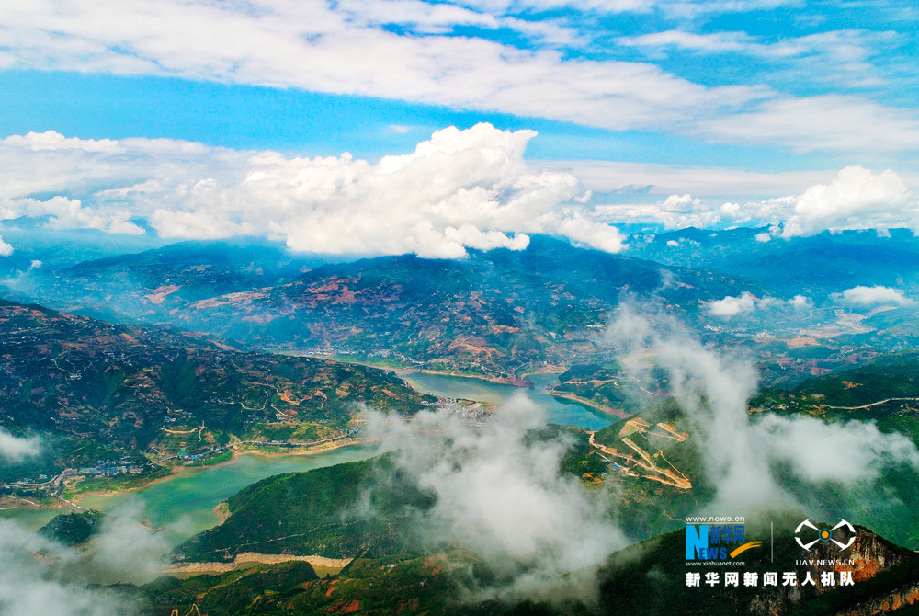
(459,308)
(240,424)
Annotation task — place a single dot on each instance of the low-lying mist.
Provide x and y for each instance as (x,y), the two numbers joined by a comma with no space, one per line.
(752,458)
(15,448)
(500,494)
(39,576)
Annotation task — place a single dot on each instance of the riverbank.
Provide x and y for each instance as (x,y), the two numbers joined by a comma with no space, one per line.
(20,502)
(613,412)
(322,565)
(514,382)
(403,370)
(180,470)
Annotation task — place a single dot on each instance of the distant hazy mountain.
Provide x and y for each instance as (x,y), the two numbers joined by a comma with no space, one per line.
(138,286)
(813,266)
(495,313)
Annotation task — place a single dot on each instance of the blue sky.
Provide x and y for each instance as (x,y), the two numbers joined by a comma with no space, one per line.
(315,123)
(672,110)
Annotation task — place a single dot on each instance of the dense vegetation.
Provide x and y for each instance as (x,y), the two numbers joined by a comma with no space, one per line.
(646,578)
(608,385)
(136,388)
(338,512)
(365,508)
(866,392)
(73,528)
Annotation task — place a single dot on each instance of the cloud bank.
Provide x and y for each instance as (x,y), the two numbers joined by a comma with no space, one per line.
(461,189)
(854,199)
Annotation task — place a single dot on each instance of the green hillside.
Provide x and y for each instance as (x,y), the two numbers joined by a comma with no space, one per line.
(646,578)
(607,385)
(109,395)
(73,528)
(885,389)
(650,578)
(362,508)
(656,466)
(337,512)
(396,584)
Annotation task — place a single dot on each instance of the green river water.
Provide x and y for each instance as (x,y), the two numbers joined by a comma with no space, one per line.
(184,503)
(559,411)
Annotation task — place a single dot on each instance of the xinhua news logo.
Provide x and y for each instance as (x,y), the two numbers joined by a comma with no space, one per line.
(719,540)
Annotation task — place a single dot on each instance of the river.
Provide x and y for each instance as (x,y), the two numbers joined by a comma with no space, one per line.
(184,503)
(559,411)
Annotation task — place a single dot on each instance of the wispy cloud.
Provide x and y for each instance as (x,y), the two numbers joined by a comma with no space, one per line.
(430,53)
(343,50)
(742,450)
(707,183)
(816,123)
(500,493)
(39,576)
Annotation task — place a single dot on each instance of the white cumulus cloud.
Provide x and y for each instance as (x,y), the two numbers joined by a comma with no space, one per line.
(801,302)
(747,302)
(460,189)
(872,295)
(855,199)
(729,306)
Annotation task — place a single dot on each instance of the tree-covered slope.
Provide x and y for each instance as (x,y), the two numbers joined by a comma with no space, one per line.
(139,389)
